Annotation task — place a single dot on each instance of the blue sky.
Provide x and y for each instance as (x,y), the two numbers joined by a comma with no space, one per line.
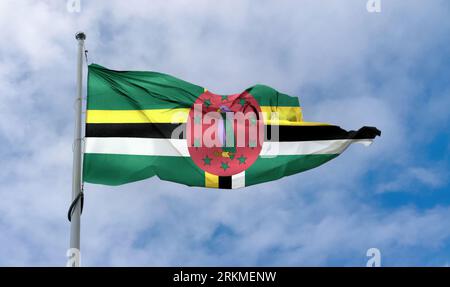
(348,67)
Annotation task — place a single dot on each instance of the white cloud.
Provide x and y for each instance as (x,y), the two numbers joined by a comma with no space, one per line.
(415,179)
(348,67)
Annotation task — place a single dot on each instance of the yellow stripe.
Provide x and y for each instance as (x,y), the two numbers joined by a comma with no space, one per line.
(137,116)
(289,116)
(211,180)
(289,123)
(292,114)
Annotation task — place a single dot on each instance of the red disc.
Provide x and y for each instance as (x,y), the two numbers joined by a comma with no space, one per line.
(225,133)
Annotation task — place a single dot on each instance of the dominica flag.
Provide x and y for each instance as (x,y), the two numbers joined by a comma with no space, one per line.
(145,124)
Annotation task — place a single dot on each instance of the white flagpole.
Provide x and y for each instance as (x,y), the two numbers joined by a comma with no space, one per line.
(74,251)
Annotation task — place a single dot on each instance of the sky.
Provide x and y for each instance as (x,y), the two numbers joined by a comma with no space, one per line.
(347,66)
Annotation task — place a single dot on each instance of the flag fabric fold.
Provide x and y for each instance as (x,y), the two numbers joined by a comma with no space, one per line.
(145,124)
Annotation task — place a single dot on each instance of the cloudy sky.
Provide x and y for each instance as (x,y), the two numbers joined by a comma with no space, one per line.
(348,67)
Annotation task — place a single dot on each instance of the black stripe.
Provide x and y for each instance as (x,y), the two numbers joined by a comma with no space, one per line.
(225,182)
(285,133)
(146,130)
(311,133)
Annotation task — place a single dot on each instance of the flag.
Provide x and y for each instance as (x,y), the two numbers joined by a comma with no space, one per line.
(145,124)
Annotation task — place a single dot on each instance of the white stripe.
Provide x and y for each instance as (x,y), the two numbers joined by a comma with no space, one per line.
(308,147)
(178,147)
(137,146)
(238,180)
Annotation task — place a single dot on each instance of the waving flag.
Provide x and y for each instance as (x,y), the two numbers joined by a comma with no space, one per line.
(142,124)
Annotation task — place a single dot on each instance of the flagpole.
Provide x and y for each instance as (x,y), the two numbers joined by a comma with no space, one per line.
(74,253)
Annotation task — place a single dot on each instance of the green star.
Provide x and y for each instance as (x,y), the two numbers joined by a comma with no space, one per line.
(224,98)
(197,142)
(242,102)
(242,159)
(207,103)
(207,160)
(224,165)
(197,120)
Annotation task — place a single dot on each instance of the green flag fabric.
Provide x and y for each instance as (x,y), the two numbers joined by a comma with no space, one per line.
(142,124)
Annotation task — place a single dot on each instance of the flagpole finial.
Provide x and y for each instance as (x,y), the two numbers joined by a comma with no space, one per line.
(80,36)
